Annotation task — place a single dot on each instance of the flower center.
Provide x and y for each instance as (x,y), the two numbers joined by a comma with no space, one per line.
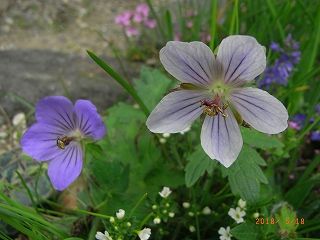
(64,141)
(213,107)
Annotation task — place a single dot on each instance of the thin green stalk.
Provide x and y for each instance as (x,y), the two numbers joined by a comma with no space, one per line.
(169,25)
(307,129)
(275,15)
(27,189)
(145,220)
(234,26)
(315,45)
(116,76)
(137,204)
(155,15)
(214,5)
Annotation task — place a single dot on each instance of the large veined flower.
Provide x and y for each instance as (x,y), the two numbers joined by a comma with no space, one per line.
(57,136)
(215,86)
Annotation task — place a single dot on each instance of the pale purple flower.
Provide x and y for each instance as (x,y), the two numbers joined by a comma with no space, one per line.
(150,23)
(124,18)
(57,136)
(214,86)
(132,31)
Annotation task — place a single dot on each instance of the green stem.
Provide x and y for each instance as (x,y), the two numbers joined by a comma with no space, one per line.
(154,14)
(137,204)
(214,4)
(116,76)
(27,189)
(146,219)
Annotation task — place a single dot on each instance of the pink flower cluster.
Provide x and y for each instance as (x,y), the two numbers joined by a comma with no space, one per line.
(130,20)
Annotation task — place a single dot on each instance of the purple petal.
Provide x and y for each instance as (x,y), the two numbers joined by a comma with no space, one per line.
(88,119)
(56,111)
(40,141)
(242,57)
(176,111)
(65,168)
(221,138)
(189,62)
(261,110)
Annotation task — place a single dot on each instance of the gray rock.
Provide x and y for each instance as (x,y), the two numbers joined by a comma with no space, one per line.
(28,75)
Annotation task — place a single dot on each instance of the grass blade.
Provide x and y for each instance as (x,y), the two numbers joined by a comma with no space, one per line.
(116,76)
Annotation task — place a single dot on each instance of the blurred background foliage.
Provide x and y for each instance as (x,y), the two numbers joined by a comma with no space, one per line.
(278,176)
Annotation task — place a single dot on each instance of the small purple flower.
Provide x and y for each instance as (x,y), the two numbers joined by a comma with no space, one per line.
(315,136)
(56,136)
(282,68)
(215,86)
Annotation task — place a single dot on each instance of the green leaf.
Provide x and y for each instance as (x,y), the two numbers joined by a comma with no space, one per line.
(260,140)
(152,86)
(245,175)
(198,163)
(246,231)
(117,77)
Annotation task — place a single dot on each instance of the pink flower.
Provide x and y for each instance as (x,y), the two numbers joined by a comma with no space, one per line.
(124,18)
(137,17)
(142,9)
(189,24)
(293,125)
(150,23)
(177,37)
(132,31)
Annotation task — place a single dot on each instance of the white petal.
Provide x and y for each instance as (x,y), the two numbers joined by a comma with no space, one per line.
(221,138)
(261,110)
(176,111)
(242,57)
(222,231)
(188,62)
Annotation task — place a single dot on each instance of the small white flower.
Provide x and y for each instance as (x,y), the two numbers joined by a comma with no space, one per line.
(237,214)
(136,106)
(120,214)
(191,214)
(225,233)
(192,228)
(165,192)
(186,205)
(256,215)
(185,130)
(105,236)
(19,119)
(242,203)
(166,135)
(144,234)
(111,219)
(171,214)
(206,211)
(157,220)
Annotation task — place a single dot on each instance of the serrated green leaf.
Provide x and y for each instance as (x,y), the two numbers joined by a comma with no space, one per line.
(152,86)
(246,231)
(260,140)
(198,163)
(245,175)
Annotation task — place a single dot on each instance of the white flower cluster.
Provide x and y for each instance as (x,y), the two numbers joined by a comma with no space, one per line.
(237,214)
